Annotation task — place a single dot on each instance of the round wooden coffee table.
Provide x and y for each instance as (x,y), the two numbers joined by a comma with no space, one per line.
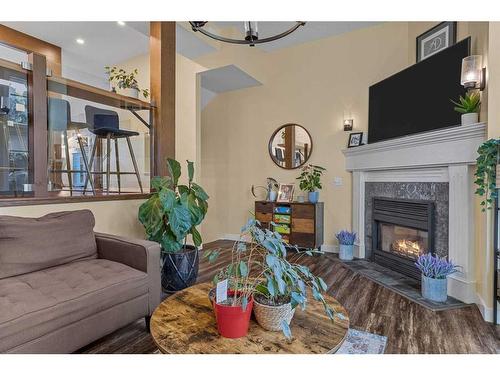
(185,323)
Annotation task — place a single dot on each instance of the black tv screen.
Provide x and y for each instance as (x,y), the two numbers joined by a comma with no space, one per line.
(417,99)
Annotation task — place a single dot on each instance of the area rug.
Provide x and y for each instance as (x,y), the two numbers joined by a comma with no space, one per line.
(361,342)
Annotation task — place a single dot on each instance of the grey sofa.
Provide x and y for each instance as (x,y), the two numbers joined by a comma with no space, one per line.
(63,286)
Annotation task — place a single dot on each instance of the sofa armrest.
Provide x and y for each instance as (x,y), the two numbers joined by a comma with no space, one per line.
(139,254)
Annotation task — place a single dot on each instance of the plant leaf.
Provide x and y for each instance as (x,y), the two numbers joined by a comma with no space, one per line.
(286,329)
(190,170)
(174,169)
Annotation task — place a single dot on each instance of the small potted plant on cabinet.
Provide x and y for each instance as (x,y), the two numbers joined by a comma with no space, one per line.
(435,271)
(278,286)
(310,181)
(346,244)
(126,81)
(469,106)
(171,214)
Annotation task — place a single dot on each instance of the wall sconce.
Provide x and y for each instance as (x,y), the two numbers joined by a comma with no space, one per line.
(348,124)
(473,73)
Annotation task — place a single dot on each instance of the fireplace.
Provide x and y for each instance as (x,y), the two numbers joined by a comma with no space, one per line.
(402,229)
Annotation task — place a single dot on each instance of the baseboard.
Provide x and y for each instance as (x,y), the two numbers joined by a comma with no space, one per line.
(330,248)
(230,237)
(486,312)
(461,289)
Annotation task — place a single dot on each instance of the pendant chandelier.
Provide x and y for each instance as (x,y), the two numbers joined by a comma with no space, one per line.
(251,33)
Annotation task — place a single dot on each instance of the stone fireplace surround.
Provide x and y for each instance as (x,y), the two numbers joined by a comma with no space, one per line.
(445,156)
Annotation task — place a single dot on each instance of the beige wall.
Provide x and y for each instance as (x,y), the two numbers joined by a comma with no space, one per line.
(313,84)
(117,217)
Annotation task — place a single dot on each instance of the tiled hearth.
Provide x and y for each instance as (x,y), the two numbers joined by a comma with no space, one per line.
(435,166)
(401,284)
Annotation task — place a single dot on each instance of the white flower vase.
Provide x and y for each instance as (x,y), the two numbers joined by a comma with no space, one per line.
(470,118)
(131,92)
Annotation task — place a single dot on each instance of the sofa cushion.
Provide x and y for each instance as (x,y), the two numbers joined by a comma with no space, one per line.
(32,244)
(37,303)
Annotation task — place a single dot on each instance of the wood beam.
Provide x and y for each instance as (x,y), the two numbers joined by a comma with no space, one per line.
(37,125)
(30,44)
(162,81)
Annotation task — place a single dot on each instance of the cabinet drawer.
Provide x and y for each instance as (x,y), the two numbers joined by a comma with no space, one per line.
(264,207)
(264,217)
(306,240)
(303,225)
(303,211)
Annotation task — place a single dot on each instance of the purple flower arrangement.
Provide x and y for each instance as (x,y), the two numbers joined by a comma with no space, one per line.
(345,237)
(435,267)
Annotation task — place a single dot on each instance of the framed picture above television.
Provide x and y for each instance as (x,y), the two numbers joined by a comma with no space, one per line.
(436,39)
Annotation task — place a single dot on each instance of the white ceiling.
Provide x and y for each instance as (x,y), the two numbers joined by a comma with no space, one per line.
(227,78)
(109,43)
(309,32)
(105,42)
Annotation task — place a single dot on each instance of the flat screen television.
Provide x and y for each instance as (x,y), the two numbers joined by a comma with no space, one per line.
(417,99)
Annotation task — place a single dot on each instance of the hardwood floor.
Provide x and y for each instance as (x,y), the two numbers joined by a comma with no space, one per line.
(409,327)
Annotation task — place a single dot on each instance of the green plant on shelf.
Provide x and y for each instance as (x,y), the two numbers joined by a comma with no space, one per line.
(468,104)
(125,80)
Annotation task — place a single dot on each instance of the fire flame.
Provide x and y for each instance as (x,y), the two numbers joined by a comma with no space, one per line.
(407,247)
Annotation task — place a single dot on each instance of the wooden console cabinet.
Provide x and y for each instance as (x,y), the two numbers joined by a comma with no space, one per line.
(300,224)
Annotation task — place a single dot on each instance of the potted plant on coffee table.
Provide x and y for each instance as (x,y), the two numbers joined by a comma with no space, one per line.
(310,181)
(169,216)
(435,271)
(278,285)
(469,106)
(346,244)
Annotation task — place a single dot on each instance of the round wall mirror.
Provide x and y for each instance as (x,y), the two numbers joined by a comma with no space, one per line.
(290,146)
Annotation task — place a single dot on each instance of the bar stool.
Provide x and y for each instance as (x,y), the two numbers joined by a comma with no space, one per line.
(59,119)
(105,124)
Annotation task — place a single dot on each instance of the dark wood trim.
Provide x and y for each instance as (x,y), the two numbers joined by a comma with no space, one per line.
(80,90)
(37,124)
(162,82)
(30,44)
(289,146)
(13,202)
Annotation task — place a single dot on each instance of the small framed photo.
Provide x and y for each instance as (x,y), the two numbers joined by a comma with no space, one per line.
(355,139)
(436,39)
(285,193)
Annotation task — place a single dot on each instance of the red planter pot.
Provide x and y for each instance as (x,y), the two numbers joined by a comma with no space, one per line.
(233,321)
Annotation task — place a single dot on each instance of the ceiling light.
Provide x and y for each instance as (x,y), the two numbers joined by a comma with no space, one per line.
(251,37)
(121,23)
(80,41)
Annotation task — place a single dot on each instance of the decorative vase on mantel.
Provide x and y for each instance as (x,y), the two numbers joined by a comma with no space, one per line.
(470,118)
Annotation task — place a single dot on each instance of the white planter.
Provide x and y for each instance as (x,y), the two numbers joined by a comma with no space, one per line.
(470,118)
(133,93)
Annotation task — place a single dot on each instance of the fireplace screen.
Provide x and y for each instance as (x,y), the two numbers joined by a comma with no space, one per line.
(403,241)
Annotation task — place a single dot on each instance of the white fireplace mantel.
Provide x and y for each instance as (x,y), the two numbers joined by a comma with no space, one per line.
(446,155)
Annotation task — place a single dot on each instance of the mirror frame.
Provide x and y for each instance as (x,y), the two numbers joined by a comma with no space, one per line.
(270,146)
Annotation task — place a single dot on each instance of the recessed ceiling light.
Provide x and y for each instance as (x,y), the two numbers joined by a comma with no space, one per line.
(121,23)
(80,41)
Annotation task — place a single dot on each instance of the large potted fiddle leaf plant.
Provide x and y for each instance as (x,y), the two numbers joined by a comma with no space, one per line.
(169,216)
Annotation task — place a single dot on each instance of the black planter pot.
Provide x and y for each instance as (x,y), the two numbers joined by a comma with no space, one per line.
(179,270)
